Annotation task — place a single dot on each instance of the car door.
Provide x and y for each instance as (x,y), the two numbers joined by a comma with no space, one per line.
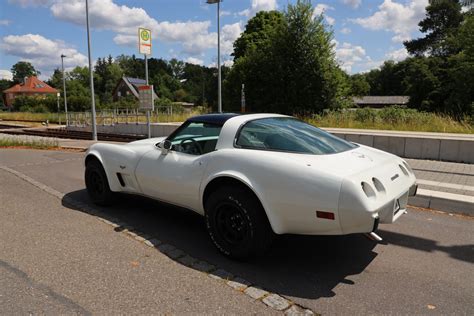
(175,175)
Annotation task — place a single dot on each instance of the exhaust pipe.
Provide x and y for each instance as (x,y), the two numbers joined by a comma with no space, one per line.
(373,236)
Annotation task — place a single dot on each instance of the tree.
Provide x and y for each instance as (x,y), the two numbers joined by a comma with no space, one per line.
(293,70)
(359,85)
(23,69)
(443,18)
(259,29)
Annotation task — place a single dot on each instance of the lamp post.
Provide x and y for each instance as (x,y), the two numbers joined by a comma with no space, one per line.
(64,89)
(219,84)
(91,74)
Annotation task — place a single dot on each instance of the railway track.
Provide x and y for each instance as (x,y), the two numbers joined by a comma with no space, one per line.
(66,134)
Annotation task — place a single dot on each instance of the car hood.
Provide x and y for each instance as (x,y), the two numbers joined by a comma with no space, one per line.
(145,142)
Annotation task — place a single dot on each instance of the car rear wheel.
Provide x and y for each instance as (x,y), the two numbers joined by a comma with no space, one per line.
(97,184)
(237,223)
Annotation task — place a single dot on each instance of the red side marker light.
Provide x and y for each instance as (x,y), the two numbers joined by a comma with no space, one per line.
(326,215)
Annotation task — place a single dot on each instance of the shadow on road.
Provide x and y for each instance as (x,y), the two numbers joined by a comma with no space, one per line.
(459,252)
(298,266)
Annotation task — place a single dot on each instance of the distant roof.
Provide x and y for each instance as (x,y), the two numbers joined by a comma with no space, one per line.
(136,81)
(33,85)
(133,85)
(387,100)
(214,118)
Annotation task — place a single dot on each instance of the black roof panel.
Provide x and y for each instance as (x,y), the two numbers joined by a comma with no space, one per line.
(214,118)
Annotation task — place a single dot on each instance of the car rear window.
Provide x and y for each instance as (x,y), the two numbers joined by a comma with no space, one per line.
(289,135)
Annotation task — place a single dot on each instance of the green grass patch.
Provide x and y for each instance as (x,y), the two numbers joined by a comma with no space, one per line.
(18,141)
(398,119)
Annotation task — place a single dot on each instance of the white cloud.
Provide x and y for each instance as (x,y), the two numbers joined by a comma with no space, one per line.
(42,52)
(321,9)
(195,61)
(348,55)
(259,5)
(5,22)
(353,3)
(229,34)
(5,74)
(397,55)
(346,30)
(194,36)
(401,19)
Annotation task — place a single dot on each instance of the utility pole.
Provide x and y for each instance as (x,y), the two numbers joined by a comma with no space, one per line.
(242,100)
(64,89)
(219,74)
(148,120)
(91,75)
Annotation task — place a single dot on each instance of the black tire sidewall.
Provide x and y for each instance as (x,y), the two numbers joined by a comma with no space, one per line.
(105,197)
(250,207)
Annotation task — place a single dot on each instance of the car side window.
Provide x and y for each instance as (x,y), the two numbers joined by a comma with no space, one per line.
(196,138)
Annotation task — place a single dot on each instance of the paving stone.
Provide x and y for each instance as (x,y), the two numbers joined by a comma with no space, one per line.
(152,242)
(238,284)
(166,248)
(221,274)
(175,253)
(140,238)
(298,311)
(255,292)
(276,302)
(203,266)
(187,260)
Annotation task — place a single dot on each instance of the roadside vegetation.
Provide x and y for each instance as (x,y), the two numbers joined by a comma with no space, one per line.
(27,141)
(398,119)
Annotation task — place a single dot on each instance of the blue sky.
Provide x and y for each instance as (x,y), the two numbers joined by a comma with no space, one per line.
(366,32)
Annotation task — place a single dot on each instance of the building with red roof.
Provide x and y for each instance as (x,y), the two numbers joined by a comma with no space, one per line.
(32,86)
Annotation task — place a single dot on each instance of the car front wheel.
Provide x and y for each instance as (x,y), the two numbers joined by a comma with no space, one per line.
(237,223)
(97,184)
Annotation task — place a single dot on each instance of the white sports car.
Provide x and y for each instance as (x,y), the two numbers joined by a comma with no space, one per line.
(256,175)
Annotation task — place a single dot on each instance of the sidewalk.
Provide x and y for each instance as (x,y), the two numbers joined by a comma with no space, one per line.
(444,186)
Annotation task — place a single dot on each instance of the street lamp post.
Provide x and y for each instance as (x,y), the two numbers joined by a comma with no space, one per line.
(91,74)
(219,84)
(64,89)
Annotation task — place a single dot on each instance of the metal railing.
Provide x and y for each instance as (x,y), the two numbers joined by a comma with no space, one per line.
(162,114)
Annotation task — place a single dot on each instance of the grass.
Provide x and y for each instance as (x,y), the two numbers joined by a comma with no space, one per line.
(27,142)
(392,119)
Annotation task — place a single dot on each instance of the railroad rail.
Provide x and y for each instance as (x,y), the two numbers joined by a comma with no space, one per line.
(67,134)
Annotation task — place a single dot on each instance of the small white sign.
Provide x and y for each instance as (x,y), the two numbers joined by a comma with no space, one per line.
(146,98)
(144,41)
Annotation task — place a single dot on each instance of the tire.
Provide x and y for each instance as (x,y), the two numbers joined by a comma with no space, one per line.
(97,184)
(237,223)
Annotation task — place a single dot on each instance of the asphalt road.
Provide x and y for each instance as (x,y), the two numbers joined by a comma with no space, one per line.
(59,260)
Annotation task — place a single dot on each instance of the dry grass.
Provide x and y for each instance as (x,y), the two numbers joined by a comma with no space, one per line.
(27,142)
(392,119)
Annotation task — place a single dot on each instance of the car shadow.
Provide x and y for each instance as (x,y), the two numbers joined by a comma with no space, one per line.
(298,266)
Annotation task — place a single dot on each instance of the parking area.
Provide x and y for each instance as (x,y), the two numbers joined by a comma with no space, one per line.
(55,258)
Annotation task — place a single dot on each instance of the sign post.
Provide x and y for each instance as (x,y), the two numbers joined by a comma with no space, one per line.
(144,46)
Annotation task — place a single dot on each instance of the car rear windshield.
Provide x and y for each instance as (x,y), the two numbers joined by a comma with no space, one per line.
(289,135)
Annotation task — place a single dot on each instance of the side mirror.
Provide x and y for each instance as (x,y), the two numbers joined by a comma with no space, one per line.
(166,145)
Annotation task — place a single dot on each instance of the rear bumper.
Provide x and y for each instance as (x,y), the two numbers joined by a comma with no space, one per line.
(413,190)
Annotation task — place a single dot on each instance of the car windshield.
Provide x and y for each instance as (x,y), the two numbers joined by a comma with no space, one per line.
(291,135)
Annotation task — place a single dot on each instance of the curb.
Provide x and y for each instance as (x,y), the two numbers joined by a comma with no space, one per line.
(447,202)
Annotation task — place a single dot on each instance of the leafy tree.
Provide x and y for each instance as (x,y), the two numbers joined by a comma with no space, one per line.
(359,85)
(23,69)
(443,18)
(259,29)
(293,70)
